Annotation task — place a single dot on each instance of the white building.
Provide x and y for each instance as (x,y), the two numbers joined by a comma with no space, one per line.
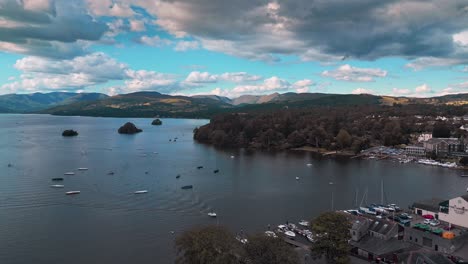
(453,211)
(424,137)
(456,213)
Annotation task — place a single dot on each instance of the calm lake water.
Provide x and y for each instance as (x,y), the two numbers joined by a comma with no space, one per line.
(107,223)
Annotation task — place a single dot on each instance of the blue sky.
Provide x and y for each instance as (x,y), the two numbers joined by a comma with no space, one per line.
(400,48)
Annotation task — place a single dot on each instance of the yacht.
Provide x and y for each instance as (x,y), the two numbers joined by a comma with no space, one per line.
(57,186)
(82,169)
(304,223)
(141,192)
(290,234)
(212,214)
(270,234)
(72,192)
(69,173)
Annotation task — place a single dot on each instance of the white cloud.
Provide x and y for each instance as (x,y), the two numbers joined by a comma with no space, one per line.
(362,91)
(461,38)
(353,74)
(303,86)
(154,41)
(424,88)
(235,77)
(402,91)
(186,45)
(137,25)
(109,8)
(273,84)
(432,62)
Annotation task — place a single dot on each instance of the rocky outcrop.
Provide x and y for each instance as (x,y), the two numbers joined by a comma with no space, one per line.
(69,133)
(129,128)
(156,122)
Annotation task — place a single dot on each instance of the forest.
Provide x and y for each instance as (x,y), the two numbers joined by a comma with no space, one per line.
(352,128)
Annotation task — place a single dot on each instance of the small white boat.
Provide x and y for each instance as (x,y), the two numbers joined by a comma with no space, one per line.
(232,157)
(311,238)
(290,234)
(57,186)
(82,169)
(304,223)
(309,164)
(212,214)
(331,183)
(270,234)
(72,192)
(69,173)
(141,192)
(297,178)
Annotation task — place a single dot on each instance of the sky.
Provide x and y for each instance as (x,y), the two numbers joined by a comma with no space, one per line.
(416,48)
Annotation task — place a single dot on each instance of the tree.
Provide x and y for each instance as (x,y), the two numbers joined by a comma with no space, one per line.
(207,245)
(332,231)
(262,249)
(343,139)
(441,130)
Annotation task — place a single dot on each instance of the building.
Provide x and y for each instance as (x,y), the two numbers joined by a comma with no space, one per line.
(373,238)
(453,211)
(415,151)
(443,146)
(424,137)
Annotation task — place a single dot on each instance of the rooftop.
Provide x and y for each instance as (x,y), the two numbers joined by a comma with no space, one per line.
(380,247)
(429,205)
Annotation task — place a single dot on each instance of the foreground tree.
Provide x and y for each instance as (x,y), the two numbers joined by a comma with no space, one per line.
(262,249)
(207,245)
(332,231)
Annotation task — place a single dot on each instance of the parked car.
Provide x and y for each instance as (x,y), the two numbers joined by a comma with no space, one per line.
(427,221)
(434,222)
(406,216)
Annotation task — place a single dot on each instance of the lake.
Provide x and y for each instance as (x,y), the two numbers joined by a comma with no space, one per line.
(107,223)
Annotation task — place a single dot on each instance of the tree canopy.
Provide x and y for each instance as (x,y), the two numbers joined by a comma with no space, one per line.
(262,249)
(207,245)
(332,231)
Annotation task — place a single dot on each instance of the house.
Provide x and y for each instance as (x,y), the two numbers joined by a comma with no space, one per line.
(424,137)
(443,146)
(428,207)
(415,151)
(373,238)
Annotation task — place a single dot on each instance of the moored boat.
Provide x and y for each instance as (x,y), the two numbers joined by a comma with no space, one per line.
(212,214)
(69,173)
(290,234)
(141,192)
(57,179)
(186,187)
(72,192)
(82,169)
(57,186)
(304,223)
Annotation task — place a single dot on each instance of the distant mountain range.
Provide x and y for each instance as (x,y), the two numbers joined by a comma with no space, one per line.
(150,104)
(28,103)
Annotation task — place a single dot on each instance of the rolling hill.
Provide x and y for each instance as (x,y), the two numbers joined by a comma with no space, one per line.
(28,103)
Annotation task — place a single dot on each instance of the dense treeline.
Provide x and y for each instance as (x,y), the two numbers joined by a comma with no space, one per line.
(333,128)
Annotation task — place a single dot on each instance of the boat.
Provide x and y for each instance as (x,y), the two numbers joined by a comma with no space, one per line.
(232,157)
(72,192)
(82,169)
(290,234)
(464,175)
(270,234)
(186,187)
(141,192)
(297,178)
(57,179)
(110,173)
(212,214)
(200,167)
(292,226)
(215,171)
(57,186)
(311,238)
(309,164)
(304,223)
(69,173)
(242,240)
(331,183)
(178,176)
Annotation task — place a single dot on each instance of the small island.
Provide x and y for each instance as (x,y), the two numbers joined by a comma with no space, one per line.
(156,122)
(69,133)
(129,128)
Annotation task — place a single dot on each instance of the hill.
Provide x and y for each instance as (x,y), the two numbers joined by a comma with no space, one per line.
(144,104)
(27,103)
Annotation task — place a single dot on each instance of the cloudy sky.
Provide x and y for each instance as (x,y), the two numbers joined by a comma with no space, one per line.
(230,48)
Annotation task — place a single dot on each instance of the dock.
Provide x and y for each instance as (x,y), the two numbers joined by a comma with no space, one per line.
(296,243)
